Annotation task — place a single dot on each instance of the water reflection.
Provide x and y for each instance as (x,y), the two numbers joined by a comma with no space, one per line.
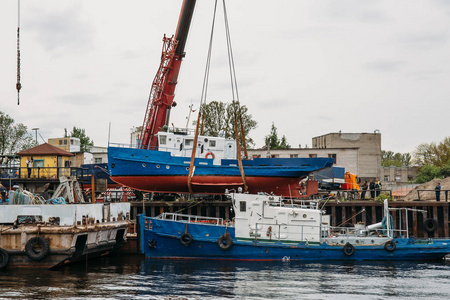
(118,277)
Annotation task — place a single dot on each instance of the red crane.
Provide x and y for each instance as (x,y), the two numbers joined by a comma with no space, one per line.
(163,87)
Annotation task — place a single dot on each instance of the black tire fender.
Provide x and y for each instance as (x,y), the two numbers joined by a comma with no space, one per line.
(348,249)
(225,242)
(430,225)
(390,246)
(37,248)
(186,239)
(4,258)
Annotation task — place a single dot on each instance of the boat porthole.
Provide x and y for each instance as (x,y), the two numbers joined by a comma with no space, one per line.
(143,165)
(304,216)
(357,241)
(132,154)
(112,166)
(167,167)
(372,241)
(267,250)
(146,157)
(187,168)
(157,166)
(342,241)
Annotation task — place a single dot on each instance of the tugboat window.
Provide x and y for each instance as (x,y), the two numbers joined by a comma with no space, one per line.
(162,140)
(212,143)
(242,205)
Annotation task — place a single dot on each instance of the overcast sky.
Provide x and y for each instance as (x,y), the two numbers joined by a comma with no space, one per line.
(310,67)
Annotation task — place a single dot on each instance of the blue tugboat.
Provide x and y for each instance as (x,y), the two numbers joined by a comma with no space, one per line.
(266,228)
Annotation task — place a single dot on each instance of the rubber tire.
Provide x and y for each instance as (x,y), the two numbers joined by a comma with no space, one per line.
(428,228)
(186,239)
(348,249)
(390,246)
(225,242)
(37,255)
(4,258)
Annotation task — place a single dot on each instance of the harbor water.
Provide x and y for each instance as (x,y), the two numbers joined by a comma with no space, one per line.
(133,277)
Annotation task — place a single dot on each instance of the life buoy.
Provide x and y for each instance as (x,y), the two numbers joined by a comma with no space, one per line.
(348,249)
(210,153)
(186,239)
(430,225)
(37,248)
(4,258)
(269,231)
(390,246)
(225,242)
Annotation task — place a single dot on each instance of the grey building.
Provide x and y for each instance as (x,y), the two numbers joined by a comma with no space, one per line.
(358,153)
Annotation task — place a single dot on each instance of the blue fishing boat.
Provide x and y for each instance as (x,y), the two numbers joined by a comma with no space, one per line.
(215,168)
(266,227)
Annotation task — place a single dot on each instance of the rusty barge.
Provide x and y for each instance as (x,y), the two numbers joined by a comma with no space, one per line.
(52,235)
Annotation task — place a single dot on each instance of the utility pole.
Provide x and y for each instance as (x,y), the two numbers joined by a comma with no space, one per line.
(36,130)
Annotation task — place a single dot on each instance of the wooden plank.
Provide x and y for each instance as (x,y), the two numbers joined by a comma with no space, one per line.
(353,220)
(364,215)
(446,222)
(374,214)
(435,216)
(344,215)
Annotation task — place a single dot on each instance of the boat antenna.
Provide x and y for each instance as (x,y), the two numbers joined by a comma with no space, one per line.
(18,85)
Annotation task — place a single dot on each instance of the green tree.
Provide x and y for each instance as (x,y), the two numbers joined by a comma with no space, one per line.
(13,137)
(433,154)
(274,142)
(219,117)
(389,159)
(85,141)
(427,173)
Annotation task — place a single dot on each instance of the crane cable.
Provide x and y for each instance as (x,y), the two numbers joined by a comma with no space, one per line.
(235,95)
(202,101)
(18,85)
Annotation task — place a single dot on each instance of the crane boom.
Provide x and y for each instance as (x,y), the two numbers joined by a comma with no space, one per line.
(163,87)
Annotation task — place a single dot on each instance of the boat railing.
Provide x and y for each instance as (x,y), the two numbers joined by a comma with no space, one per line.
(192,219)
(302,233)
(288,232)
(364,232)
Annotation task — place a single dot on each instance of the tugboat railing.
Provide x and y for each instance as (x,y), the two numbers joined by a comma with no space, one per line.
(191,218)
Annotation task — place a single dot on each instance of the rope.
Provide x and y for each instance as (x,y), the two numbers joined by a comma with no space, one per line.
(18,85)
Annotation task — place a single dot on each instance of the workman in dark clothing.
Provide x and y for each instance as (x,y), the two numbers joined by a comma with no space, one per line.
(364,187)
(372,188)
(437,190)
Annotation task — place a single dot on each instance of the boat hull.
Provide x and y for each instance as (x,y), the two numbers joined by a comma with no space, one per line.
(163,241)
(159,171)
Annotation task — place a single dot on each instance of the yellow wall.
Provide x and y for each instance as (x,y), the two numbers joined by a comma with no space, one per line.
(50,166)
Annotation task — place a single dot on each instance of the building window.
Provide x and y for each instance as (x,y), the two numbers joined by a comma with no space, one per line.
(71,142)
(294,156)
(66,163)
(65,142)
(98,160)
(398,178)
(60,142)
(386,177)
(38,163)
(333,156)
(312,155)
